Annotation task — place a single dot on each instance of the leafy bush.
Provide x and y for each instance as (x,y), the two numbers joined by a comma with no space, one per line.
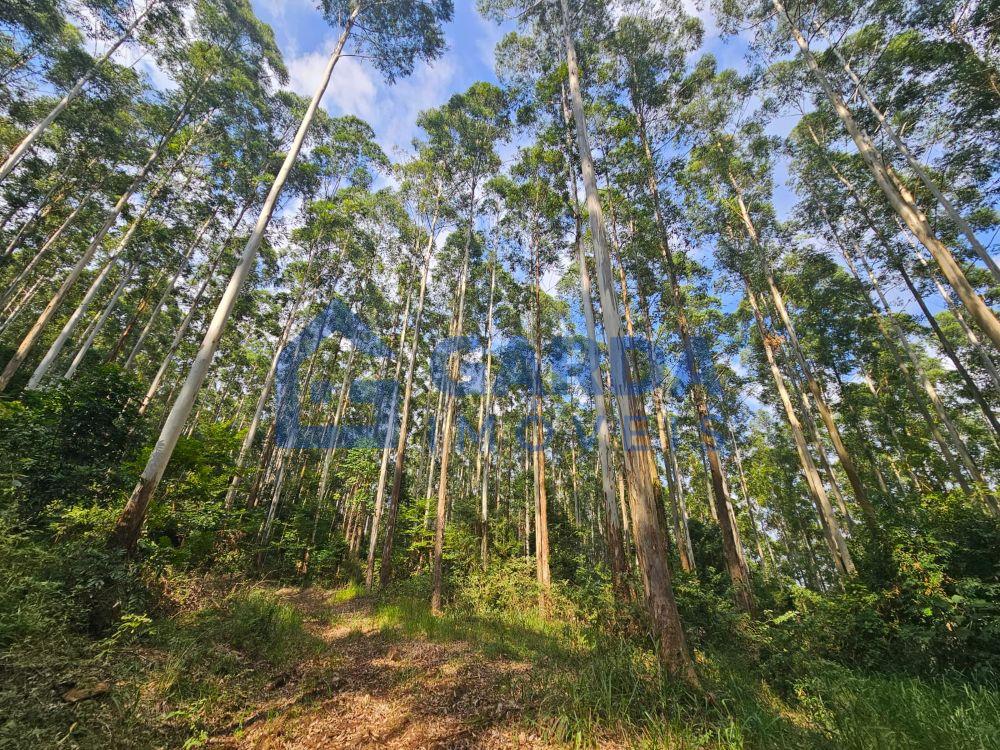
(67,443)
(77,585)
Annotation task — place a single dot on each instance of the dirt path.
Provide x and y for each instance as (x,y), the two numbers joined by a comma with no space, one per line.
(371,690)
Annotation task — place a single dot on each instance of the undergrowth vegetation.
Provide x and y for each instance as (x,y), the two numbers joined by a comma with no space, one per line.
(190,654)
(196,637)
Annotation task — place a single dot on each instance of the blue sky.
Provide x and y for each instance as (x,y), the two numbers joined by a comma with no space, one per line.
(306,40)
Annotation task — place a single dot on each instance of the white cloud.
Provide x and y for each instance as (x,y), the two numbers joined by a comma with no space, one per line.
(351,91)
(391,110)
(489,36)
(429,86)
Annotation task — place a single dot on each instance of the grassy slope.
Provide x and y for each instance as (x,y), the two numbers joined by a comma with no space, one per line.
(259,661)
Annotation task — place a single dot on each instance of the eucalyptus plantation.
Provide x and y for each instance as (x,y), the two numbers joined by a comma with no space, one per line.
(551,372)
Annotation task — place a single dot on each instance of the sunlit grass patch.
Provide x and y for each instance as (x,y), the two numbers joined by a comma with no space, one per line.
(346,593)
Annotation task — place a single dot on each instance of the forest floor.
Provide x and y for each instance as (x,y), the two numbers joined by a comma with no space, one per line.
(378,690)
(231,663)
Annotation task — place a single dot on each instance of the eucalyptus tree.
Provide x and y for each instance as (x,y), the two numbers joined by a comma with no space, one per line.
(832,173)
(344,160)
(393,36)
(535,215)
(462,136)
(198,64)
(154,197)
(165,9)
(110,219)
(813,154)
(730,173)
(423,188)
(651,54)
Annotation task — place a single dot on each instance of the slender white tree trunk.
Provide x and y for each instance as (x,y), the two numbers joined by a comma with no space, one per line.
(29,341)
(171,286)
(175,343)
(970,334)
(130,522)
(383,468)
(395,497)
(915,165)
(957,440)
(70,326)
(345,389)
(616,537)
(67,330)
(846,460)
(98,326)
(14,309)
(451,403)
(44,249)
(485,448)
(262,399)
(651,541)
(831,530)
(56,195)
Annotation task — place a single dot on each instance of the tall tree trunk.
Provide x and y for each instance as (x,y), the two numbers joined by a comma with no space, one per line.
(129,525)
(99,324)
(894,344)
(675,487)
(825,413)
(44,249)
(74,320)
(613,527)
(485,448)
(179,335)
(831,530)
(651,542)
(817,440)
(542,568)
(396,496)
(265,389)
(706,429)
(760,538)
(982,487)
(915,165)
(172,285)
(949,350)
(435,444)
(14,309)
(387,448)
(55,196)
(29,341)
(451,399)
(970,334)
(846,460)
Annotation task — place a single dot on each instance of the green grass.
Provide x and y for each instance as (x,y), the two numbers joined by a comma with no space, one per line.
(866,711)
(346,593)
(179,679)
(215,651)
(514,634)
(620,692)
(589,687)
